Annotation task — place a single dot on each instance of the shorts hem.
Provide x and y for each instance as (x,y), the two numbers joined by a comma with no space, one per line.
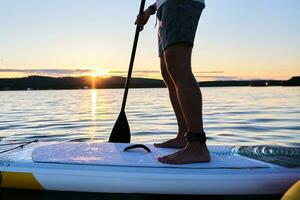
(191,44)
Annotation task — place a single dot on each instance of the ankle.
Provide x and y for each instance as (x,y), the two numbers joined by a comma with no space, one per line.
(180,137)
(196,145)
(181,133)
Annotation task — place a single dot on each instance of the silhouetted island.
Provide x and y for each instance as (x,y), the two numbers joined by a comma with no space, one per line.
(294,81)
(86,82)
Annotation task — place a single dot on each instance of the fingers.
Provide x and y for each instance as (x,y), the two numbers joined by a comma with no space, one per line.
(142,17)
(141,20)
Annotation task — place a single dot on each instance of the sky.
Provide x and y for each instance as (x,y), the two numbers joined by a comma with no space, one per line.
(236,39)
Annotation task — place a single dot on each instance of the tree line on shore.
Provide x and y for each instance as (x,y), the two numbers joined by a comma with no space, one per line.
(86,82)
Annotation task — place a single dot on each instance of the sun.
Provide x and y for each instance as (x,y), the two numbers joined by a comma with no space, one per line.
(100,72)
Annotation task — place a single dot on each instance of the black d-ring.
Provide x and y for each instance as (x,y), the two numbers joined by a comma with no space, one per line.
(135,146)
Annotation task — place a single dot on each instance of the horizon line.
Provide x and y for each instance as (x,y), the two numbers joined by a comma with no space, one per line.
(119,76)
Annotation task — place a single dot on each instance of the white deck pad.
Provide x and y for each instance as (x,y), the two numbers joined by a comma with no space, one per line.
(111,154)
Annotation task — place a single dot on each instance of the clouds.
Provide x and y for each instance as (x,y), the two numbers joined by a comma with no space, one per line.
(200,75)
(48,72)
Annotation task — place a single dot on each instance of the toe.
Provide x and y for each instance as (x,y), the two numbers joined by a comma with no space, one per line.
(163,159)
(167,161)
(171,160)
(160,159)
(157,144)
(164,144)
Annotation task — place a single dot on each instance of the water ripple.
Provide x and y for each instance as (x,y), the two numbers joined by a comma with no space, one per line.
(241,116)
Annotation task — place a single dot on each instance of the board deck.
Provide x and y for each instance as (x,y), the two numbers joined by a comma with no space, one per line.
(112,154)
(105,167)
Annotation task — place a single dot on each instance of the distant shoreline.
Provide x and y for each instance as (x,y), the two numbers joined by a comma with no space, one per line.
(52,83)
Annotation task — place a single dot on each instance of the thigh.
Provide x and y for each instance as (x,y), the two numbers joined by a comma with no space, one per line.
(178,57)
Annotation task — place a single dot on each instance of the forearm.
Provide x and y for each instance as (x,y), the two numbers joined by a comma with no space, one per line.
(154,5)
(152,9)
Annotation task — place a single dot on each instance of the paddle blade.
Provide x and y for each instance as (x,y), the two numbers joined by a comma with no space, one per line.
(121,132)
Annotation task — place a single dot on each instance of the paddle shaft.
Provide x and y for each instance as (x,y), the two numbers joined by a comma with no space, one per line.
(136,38)
(121,130)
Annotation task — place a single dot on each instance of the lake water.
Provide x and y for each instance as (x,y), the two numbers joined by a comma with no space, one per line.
(232,115)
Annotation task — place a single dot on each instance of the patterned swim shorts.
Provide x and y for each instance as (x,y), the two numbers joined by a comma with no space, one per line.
(178,22)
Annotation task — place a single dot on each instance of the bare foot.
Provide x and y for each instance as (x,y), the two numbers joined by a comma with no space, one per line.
(192,153)
(177,143)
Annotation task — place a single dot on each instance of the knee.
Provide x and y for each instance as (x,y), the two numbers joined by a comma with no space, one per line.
(178,63)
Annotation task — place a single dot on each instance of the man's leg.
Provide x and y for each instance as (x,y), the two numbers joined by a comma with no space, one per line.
(178,62)
(179,141)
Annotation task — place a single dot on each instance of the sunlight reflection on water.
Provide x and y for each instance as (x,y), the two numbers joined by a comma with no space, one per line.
(232,115)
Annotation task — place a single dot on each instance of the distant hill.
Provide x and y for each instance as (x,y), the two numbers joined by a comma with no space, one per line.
(119,82)
(46,83)
(295,81)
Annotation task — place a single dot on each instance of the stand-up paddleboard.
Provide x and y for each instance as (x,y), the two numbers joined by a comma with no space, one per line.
(106,167)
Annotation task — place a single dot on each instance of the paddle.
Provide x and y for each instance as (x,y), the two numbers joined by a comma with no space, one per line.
(121,131)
